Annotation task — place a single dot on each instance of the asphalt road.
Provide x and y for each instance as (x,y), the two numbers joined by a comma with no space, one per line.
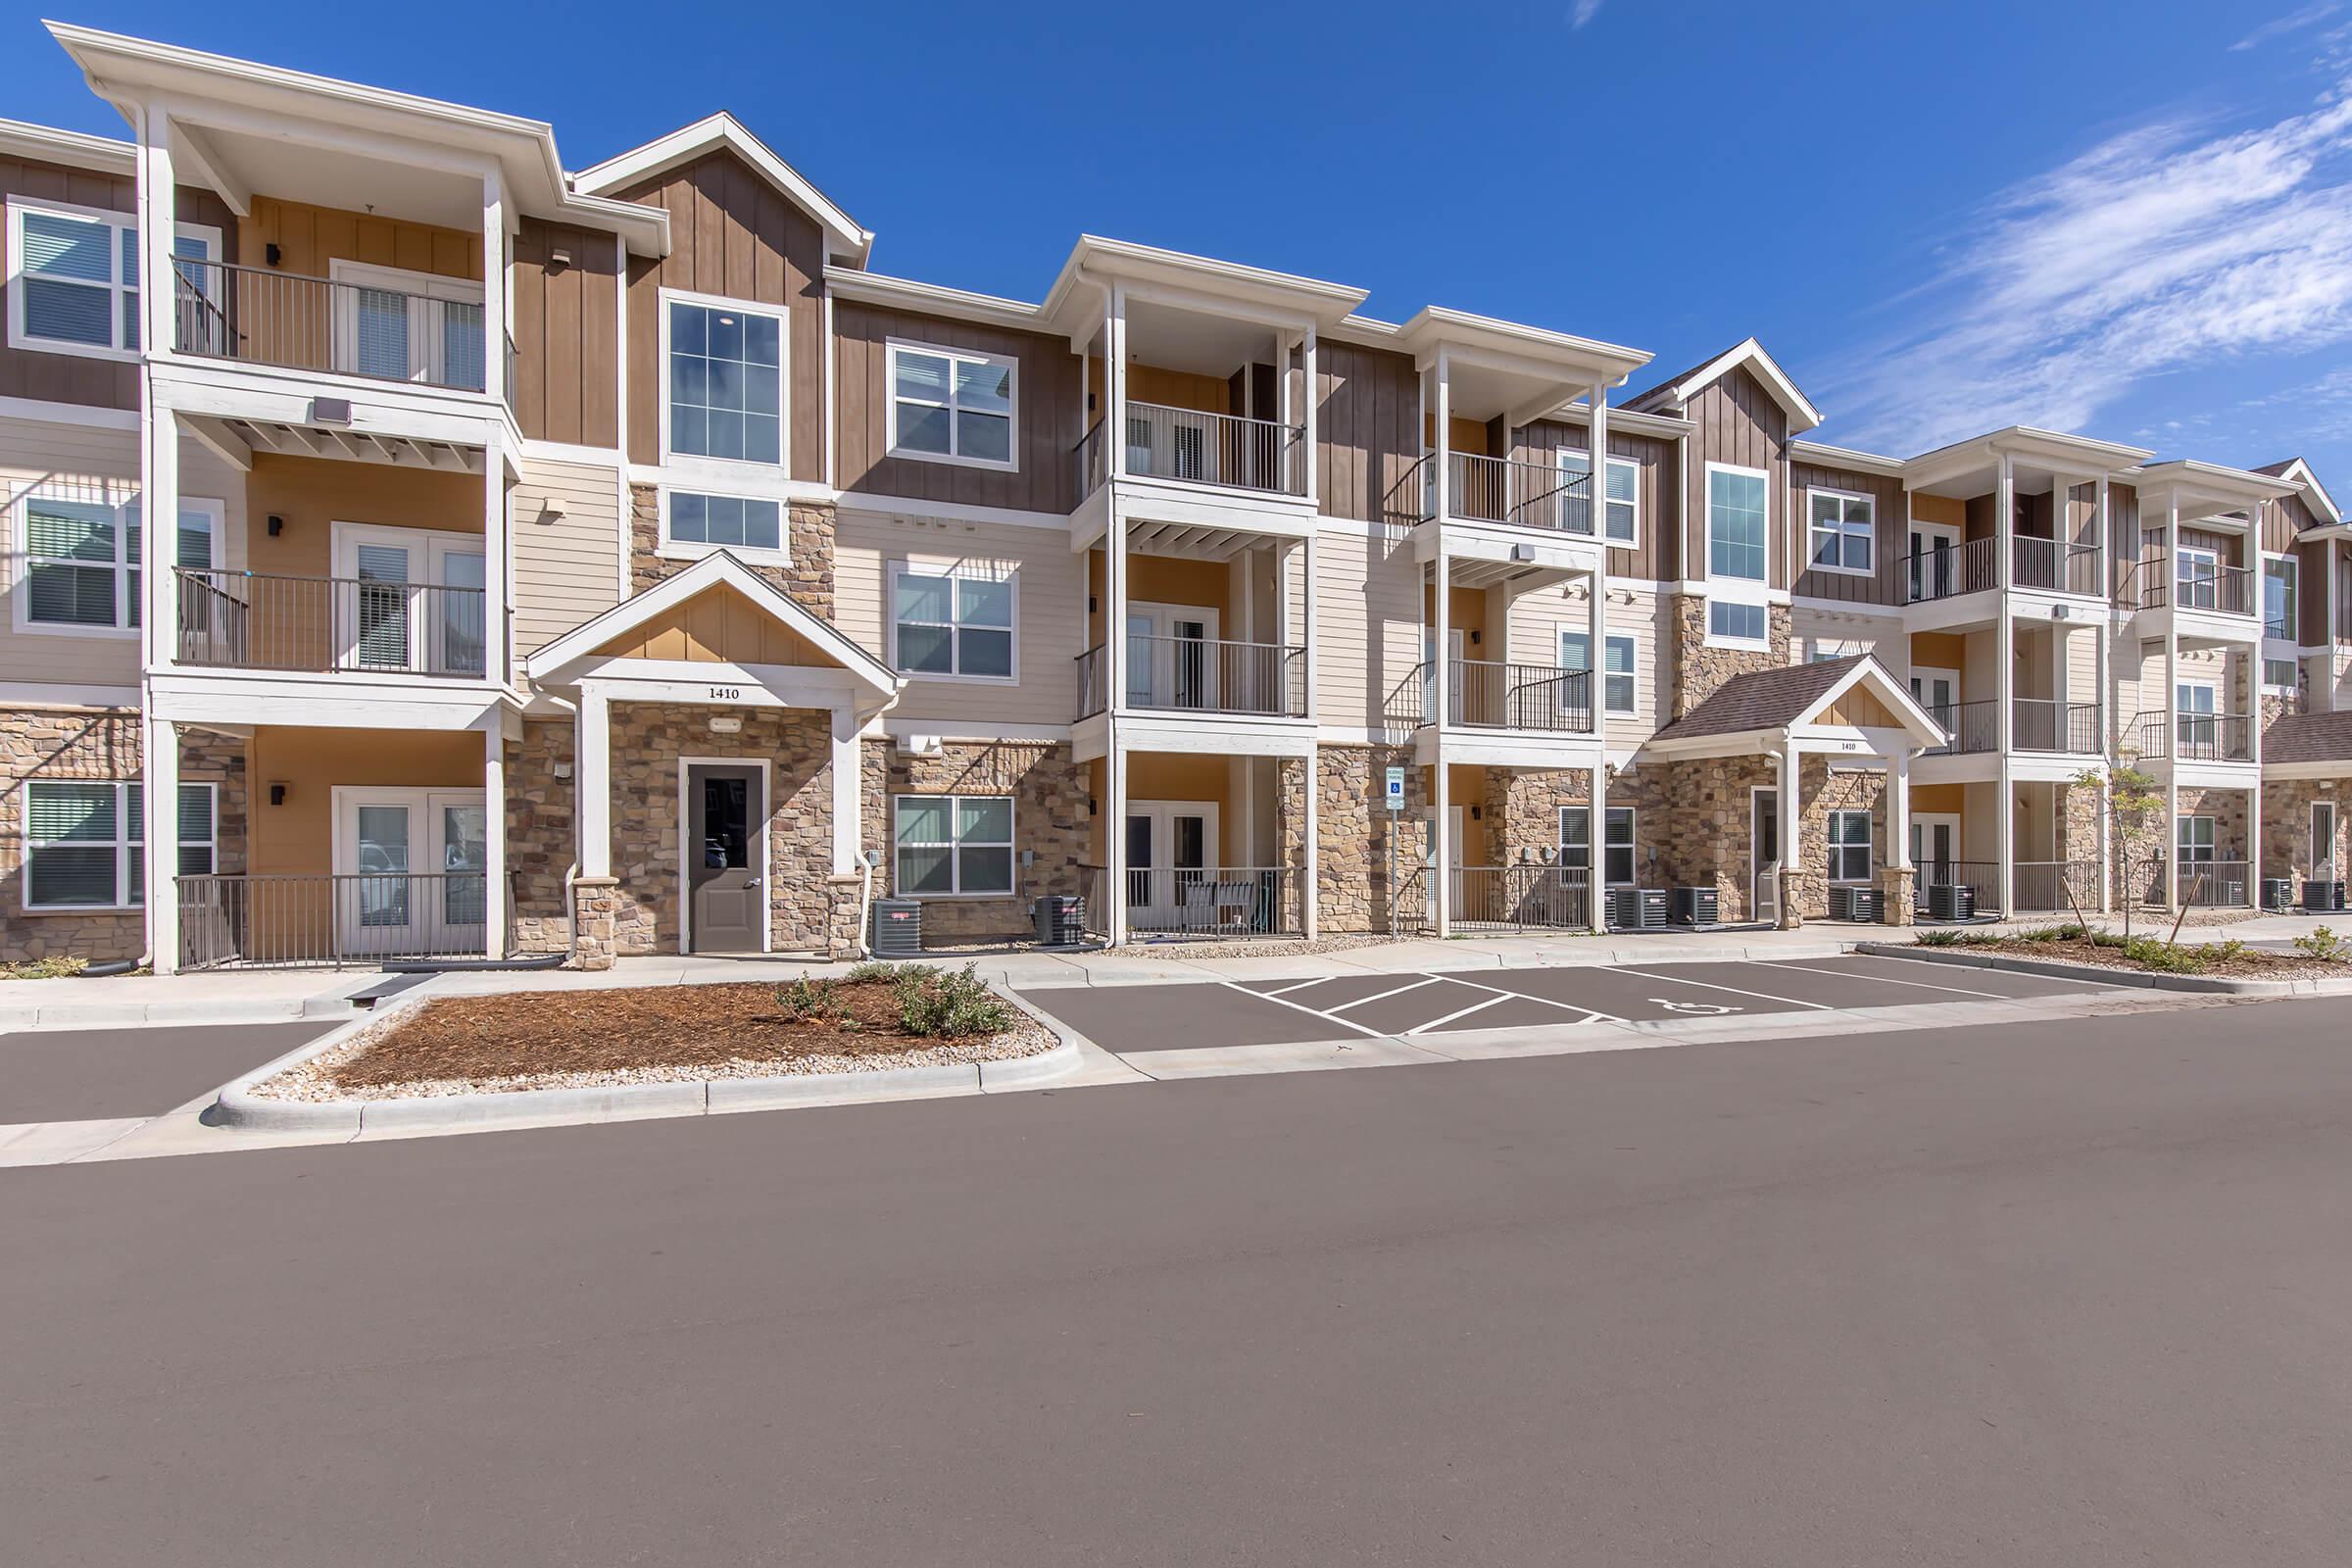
(2075,1294)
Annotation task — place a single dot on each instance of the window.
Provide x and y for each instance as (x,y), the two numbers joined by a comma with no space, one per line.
(947,406)
(726,381)
(1734,621)
(1621,507)
(82,559)
(1617,673)
(1734,524)
(2278,620)
(2200,574)
(1850,845)
(408,326)
(1617,845)
(2278,674)
(73,277)
(950,845)
(2196,841)
(85,842)
(700,519)
(1841,531)
(953,623)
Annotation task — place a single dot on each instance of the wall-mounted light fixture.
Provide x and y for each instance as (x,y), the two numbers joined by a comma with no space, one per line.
(1092,807)
(1475,814)
(278,792)
(726,724)
(278,526)
(558,260)
(272,254)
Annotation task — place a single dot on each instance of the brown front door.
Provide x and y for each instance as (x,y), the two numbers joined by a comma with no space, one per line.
(724,888)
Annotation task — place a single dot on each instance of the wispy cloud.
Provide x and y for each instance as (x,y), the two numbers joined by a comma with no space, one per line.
(2174,247)
(2293,21)
(1582,11)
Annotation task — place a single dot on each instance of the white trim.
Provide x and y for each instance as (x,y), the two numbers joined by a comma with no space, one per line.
(1736,585)
(896,565)
(42,412)
(1870,536)
(880,508)
(1721,639)
(1869,852)
(1750,354)
(695,466)
(1601,515)
(672,548)
(955,731)
(1596,872)
(19,525)
(1633,670)
(119,223)
(687,143)
(120,845)
(420,289)
(768,807)
(953,845)
(49,145)
(892,347)
(44,694)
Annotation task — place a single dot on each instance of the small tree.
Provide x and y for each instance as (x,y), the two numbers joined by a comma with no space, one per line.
(2136,830)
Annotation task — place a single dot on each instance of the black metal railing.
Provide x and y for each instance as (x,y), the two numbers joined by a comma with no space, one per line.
(1948,571)
(1526,495)
(2192,737)
(2043,725)
(1215,901)
(316,625)
(1972,726)
(2211,885)
(2054,566)
(288,321)
(1522,898)
(331,922)
(1199,675)
(2045,887)
(1497,696)
(2221,590)
(1202,448)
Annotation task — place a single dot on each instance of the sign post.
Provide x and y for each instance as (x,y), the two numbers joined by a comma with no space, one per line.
(1395,799)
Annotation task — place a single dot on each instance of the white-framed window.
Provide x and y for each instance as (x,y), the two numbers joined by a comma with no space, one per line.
(954,623)
(2279,676)
(695,518)
(952,846)
(81,555)
(1617,692)
(1739,622)
(2194,837)
(1737,512)
(2199,572)
(954,406)
(1841,532)
(74,276)
(1850,845)
(1617,845)
(85,842)
(723,393)
(2279,581)
(1621,505)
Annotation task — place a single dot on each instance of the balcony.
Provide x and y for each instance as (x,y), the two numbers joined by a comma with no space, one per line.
(1199,448)
(2054,567)
(1250,901)
(1949,571)
(1482,489)
(2191,737)
(2197,585)
(1522,898)
(253,315)
(1972,726)
(1199,675)
(1480,695)
(328,921)
(328,625)
(2043,724)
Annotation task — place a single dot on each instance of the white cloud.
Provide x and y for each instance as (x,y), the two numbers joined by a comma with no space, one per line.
(2170,248)
(2293,21)
(1582,11)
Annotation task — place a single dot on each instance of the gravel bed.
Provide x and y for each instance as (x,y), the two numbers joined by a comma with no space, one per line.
(1251,947)
(2255,964)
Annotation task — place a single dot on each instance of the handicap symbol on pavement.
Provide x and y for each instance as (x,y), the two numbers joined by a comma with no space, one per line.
(1693,1007)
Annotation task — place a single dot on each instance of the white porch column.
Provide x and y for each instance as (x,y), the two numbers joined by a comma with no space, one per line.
(2251,659)
(498,554)
(849,792)
(2004,679)
(1440,837)
(160,826)
(1114,841)
(1791,842)
(2170,712)
(1114,615)
(494,287)
(1899,810)
(1597,637)
(1307,397)
(1313,857)
(592,774)
(158,207)
(494,836)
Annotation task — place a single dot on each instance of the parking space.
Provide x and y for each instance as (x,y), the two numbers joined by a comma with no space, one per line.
(139,1070)
(1225,1014)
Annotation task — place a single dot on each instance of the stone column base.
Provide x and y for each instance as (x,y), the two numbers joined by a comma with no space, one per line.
(596,923)
(1894,888)
(842,935)
(1792,918)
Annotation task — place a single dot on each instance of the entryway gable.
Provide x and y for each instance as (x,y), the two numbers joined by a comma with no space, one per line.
(718,625)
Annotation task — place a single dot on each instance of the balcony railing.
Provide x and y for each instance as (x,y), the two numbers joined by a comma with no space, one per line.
(1204,901)
(1523,697)
(1526,495)
(2211,884)
(1199,675)
(2041,887)
(259,317)
(1219,449)
(327,625)
(2054,566)
(2041,724)
(2221,590)
(1523,898)
(1951,571)
(2192,737)
(1972,726)
(316,921)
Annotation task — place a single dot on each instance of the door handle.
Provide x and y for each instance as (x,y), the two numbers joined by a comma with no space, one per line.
(752,883)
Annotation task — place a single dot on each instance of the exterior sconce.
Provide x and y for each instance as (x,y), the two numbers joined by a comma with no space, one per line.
(277,794)
(278,526)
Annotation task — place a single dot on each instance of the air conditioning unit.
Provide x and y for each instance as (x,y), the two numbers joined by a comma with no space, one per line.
(2279,893)
(898,931)
(1864,906)
(2323,898)
(1061,920)
(1636,909)
(1696,906)
(1952,900)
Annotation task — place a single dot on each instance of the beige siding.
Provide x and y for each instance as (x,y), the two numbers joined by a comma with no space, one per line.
(1049,606)
(567,569)
(1368,621)
(1537,620)
(1834,635)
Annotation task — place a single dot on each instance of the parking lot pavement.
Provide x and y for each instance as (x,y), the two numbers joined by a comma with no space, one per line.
(142,1071)
(1229,1015)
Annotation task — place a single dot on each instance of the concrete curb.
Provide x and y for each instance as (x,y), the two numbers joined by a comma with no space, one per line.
(2058,969)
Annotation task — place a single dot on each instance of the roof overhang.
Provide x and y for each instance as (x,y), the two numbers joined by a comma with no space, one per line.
(844,236)
(931,299)
(2315,494)
(1750,356)
(71,148)
(1073,304)
(1972,466)
(719,569)
(2204,489)
(1626,422)
(1514,346)
(1914,726)
(1822,455)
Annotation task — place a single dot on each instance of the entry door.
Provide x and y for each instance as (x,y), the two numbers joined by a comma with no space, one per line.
(1453,676)
(411,871)
(2323,841)
(1938,691)
(2199,732)
(408,600)
(725,884)
(1764,861)
(1170,858)
(1933,551)
(1168,665)
(408,326)
(1934,845)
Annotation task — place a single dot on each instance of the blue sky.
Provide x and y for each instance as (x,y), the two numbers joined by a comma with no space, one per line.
(2126,220)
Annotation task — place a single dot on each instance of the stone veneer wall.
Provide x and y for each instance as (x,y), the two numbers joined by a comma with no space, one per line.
(541,842)
(647,740)
(1700,670)
(2228,809)
(1698,814)
(2287,825)
(1050,818)
(2078,822)
(97,744)
(1354,826)
(1530,812)
(1820,790)
(808,530)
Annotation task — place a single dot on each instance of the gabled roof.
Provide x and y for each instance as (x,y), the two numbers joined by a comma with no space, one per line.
(1669,395)
(2314,493)
(843,235)
(2309,738)
(46,144)
(1761,702)
(718,568)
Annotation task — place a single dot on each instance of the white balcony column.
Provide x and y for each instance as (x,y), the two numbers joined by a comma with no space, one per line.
(158,776)
(1114,381)
(2170,718)
(494,835)
(1114,843)
(1792,827)
(158,207)
(1598,509)
(2004,525)
(494,285)
(498,560)
(592,780)
(159,531)
(848,794)
(1899,810)
(2105,546)
(1304,416)
(1312,894)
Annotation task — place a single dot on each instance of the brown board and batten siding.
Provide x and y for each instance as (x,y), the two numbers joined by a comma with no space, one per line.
(734,235)
(310,240)
(1046,392)
(1888,543)
(1543,442)
(2282,521)
(566,335)
(1736,422)
(1367,435)
(47,378)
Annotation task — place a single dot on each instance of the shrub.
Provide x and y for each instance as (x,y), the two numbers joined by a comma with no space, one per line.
(808,1000)
(2325,946)
(1944,937)
(872,970)
(44,968)
(944,1005)
(2169,957)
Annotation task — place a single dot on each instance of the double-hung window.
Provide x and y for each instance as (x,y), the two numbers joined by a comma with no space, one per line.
(82,559)
(1841,533)
(726,381)
(1617,843)
(949,845)
(957,624)
(2200,576)
(705,519)
(74,276)
(85,842)
(2196,841)
(1617,672)
(1850,845)
(1621,502)
(952,406)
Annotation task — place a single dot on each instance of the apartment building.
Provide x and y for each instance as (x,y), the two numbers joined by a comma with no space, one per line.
(613,562)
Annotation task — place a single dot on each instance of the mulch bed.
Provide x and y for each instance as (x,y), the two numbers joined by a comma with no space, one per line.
(2254,963)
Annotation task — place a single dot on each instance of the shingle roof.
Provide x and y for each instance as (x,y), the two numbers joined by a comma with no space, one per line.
(2310,738)
(1762,699)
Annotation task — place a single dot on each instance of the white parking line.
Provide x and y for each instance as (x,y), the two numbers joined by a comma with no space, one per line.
(1923,985)
(1300,1007)
(1377,996)
(1677,980)
(1295,985)
(1475,1007)
(1591,1014)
